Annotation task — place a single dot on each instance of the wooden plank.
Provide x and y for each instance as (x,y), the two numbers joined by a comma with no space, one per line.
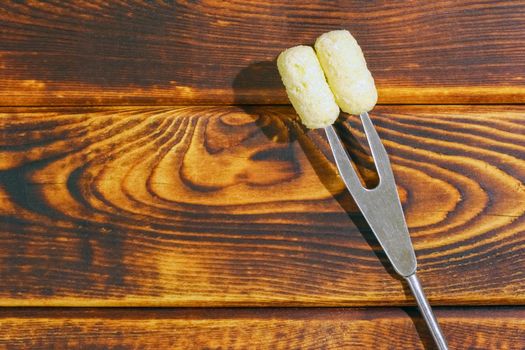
(188,52)
(215,206)
(470,328)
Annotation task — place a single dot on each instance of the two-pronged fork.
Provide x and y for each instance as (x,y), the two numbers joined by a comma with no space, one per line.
(382,210)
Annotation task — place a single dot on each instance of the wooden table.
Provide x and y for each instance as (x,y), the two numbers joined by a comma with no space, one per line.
(148,161)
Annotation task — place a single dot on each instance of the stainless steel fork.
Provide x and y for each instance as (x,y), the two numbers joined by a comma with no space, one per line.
(382,210)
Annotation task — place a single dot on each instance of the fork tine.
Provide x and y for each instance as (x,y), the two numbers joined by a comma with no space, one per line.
(344,165)
(381,160)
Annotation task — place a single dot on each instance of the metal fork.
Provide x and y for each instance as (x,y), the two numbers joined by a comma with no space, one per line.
(382,210)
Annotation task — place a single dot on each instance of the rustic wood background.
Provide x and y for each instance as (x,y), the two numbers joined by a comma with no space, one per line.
(221,52)
(145,160)
(285,328)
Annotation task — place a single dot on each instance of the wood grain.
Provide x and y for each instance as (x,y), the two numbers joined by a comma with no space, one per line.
(471,328)
(216,52)
(216,206)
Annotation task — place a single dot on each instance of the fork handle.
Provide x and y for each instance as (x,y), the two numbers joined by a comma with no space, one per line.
(426,310)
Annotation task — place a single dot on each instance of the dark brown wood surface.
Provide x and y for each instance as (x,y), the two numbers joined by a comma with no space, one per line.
(222,206)
(118,189)
(219,52)
(472,328)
